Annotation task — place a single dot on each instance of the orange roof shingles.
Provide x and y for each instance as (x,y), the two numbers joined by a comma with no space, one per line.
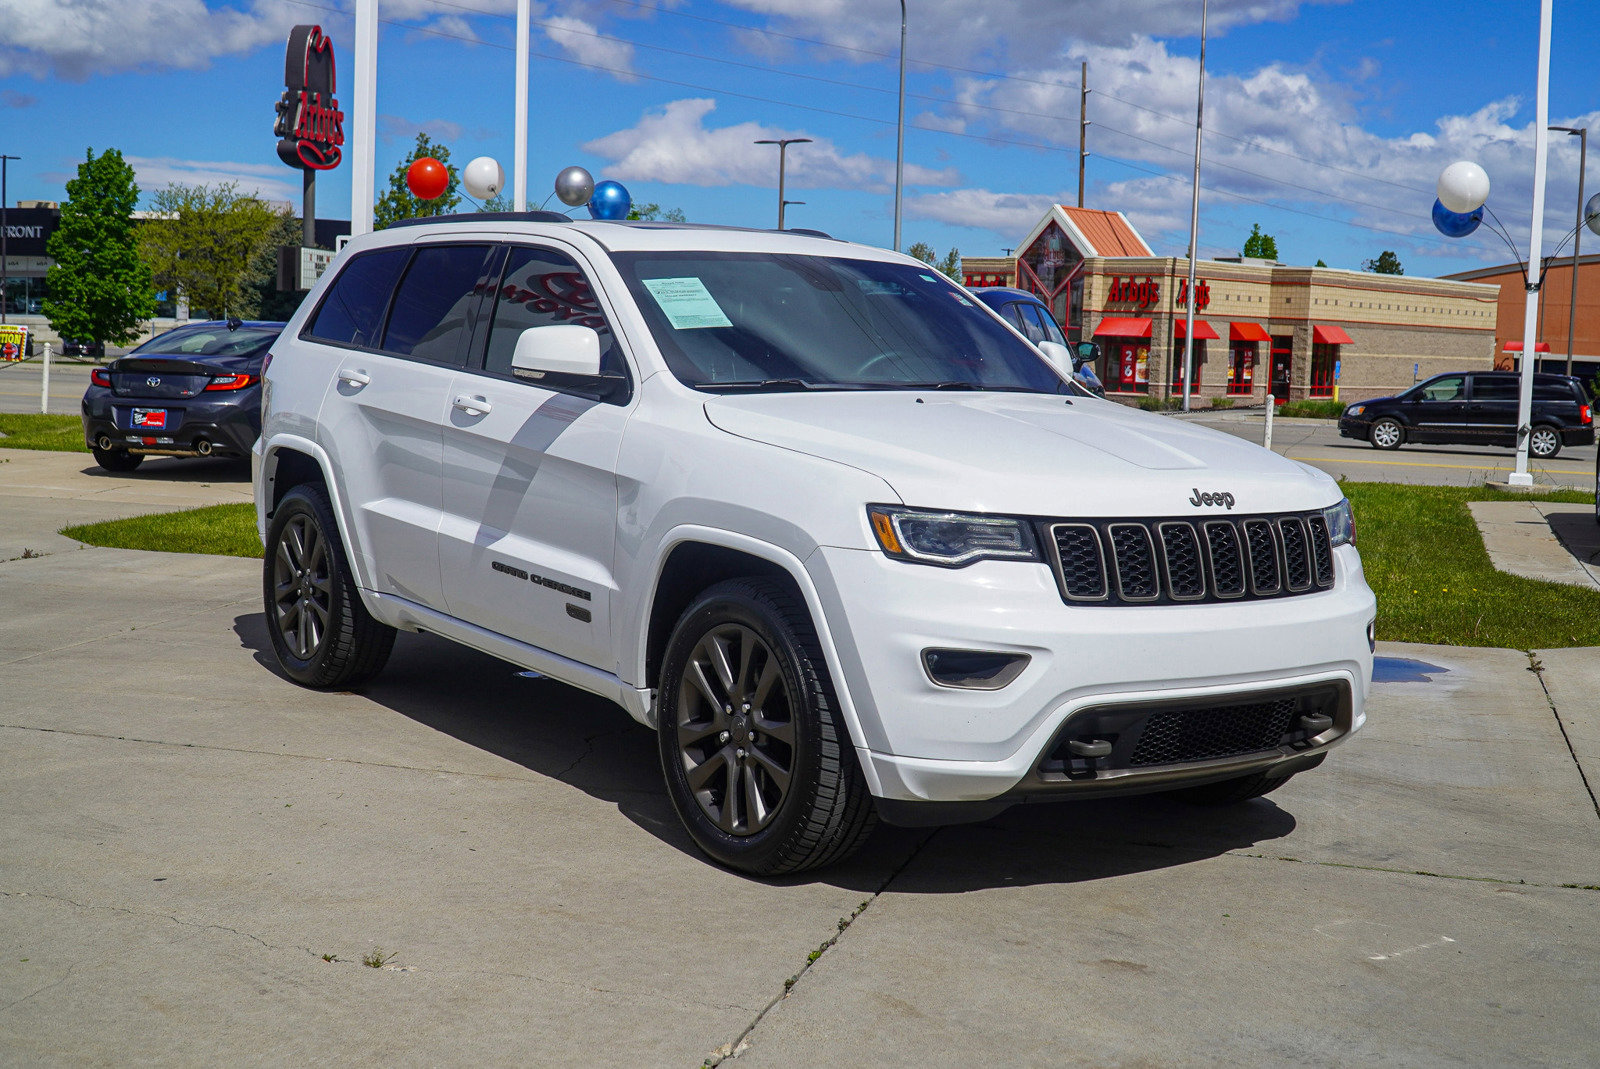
(1108,232)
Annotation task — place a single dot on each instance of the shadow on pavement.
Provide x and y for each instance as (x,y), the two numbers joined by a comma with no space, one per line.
(180,470)
(591,744)
(1579,534)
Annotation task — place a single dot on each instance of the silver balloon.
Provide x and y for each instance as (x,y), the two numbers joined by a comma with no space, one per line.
(1591,213)
(574,186)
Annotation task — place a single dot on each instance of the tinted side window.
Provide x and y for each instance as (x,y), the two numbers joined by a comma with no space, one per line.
(352,312)
(542,288)
(1553,391)
(1048,331)
(1485,388)
(1021,316)
(435,301)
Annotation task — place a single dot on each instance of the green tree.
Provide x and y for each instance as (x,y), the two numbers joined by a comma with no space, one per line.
(653,212)
(949,264)
(1260,246)
(400,203)
(207,242)
(1320,263)
(1387,263)
(99,287)
(498,203)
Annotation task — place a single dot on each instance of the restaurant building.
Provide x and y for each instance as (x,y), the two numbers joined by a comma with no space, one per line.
(1260,326)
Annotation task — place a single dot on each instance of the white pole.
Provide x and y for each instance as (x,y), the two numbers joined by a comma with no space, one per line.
(519,163)
(1530,316)
(1194,228)
(364,118)
(44,388)
(1266,439)
(900,133)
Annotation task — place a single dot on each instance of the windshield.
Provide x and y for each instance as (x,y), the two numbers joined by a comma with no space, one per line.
(757,320)
(210,340)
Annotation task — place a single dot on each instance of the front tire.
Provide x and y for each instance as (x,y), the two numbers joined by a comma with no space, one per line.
(1386,434)
(118,460)
(1544,441)
(756,758)
(321,632)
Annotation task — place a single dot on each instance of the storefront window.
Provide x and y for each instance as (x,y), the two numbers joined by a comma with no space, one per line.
(1127,365)
(1177,364)
(1323,360)
(1241,367)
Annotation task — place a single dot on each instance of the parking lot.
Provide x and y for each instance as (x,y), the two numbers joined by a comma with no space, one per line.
(197,856)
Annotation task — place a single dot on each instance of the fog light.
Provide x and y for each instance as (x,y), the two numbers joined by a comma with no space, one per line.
(973,669)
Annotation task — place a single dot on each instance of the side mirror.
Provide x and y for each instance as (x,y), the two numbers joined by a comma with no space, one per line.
(1059,355)
(564,349)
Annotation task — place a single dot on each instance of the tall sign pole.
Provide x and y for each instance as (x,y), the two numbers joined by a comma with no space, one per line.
(5,265)
(364,117)
(519,165)
(899,142)
(1083,125)
(1194,215)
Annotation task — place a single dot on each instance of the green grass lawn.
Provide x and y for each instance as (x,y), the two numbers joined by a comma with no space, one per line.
(226,530)
(1423,557)
(1426,563)
(34,430)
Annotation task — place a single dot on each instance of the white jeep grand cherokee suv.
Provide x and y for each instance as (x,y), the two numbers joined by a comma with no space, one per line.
(847,541)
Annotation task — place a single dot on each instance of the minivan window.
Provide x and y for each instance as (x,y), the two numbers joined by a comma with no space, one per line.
(436,297)
(352,312)
(1496,388)
(1553,391)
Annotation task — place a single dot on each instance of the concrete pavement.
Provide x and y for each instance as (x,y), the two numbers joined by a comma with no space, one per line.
(195,855)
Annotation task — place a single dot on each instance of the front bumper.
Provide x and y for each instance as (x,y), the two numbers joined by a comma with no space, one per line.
(1088,666)
(1355,428)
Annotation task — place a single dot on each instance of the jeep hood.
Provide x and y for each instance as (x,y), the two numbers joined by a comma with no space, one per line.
(1030,454)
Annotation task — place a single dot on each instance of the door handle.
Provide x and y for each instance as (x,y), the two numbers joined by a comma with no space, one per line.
(355,378)
(472,406)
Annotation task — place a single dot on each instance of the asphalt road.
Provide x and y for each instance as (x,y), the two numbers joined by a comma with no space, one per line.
(20,382)
(1317,442)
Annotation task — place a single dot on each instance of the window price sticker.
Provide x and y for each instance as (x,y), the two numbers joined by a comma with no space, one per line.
(687,303)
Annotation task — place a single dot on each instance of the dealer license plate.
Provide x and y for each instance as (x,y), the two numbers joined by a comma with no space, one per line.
(149,417)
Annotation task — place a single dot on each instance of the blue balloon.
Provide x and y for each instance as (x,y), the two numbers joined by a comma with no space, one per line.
(610,201)
(1455,224)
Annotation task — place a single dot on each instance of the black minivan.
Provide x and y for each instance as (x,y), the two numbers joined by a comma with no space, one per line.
(1475,408)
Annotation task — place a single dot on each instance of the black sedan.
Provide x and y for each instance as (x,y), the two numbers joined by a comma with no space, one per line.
(193,391)
(1475,408)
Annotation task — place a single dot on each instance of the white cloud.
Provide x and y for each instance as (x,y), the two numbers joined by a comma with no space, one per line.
(582,41)
(673,144)
(1007,215)
(273,182)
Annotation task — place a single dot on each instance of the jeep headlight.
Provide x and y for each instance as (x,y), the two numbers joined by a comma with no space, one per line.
(1341,523)
(950,539)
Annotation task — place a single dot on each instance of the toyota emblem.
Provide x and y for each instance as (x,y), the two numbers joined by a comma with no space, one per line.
(152,382)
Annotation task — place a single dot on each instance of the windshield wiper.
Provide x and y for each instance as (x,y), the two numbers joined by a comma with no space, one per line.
(755,386)
(947,384)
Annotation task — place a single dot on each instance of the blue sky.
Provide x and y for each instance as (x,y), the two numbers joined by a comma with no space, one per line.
(1326,122)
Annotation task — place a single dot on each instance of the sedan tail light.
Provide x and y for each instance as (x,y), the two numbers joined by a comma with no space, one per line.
(101,377)
(232,382)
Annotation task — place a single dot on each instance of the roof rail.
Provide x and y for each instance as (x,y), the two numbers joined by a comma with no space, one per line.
(486,217)
(806,231)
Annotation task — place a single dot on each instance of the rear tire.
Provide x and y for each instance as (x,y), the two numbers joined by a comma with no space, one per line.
(756,757)
(117,459)
(321,632)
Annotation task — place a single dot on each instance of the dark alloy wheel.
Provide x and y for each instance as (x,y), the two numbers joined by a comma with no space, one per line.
(1544,441)
(1387,433)
(757,761)
(323,635)
(117,459)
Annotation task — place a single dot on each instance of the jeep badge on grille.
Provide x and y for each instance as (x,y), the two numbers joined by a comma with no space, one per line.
(1211,499)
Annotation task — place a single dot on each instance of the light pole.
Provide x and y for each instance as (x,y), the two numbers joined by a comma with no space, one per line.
(1194,216)
(4,266)
(1577,240)
(900,134)
(783,144)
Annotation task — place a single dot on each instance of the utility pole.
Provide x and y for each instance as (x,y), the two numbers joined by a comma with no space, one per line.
(783,144)
(1083,125)
(4,263)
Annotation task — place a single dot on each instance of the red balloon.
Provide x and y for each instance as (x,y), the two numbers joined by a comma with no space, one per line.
(427,178)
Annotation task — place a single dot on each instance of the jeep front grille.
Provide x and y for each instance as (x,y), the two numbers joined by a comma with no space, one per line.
(1176,561)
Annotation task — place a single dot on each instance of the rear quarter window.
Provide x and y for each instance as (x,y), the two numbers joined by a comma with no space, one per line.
(352,311)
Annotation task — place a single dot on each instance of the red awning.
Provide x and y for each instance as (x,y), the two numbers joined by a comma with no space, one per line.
(1516,347)
(1202,330)
(1246,332)
(1124,328)
(1330,336)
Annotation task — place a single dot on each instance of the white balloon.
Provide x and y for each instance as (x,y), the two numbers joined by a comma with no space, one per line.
(483,178)
(1463,187)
